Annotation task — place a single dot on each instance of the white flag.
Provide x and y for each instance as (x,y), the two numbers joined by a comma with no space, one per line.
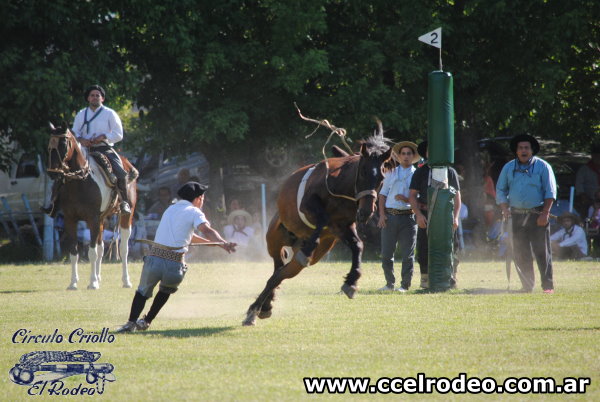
(433,38)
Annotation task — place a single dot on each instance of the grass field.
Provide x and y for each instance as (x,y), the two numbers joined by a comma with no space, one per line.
(197,350)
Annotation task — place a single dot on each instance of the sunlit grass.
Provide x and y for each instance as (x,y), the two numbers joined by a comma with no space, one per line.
(197,350)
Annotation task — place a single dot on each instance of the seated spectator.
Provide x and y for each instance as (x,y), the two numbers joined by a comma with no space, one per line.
(164,200)
(570,241)
(237,231)
(138,250)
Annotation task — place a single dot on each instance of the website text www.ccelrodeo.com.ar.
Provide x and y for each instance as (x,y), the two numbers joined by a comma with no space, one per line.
(461,384)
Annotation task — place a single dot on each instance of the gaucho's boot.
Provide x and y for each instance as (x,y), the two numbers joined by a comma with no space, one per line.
(122,186)
(52,209)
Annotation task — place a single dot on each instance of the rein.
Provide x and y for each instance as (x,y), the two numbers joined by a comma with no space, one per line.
(340,132)
(64,170)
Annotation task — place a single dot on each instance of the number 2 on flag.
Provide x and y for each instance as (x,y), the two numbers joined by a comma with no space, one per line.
(433,38)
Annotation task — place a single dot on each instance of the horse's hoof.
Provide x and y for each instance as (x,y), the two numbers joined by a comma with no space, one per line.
(72,286)
(349,290)
(93,286)
(127,285)
(250,319)
(265,314)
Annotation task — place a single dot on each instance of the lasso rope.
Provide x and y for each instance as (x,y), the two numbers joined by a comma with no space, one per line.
(340,132)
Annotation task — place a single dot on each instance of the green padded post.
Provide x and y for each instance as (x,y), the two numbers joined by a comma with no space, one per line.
(440,133)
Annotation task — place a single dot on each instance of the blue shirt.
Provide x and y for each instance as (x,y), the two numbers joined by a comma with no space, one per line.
(397,182)
(526,185)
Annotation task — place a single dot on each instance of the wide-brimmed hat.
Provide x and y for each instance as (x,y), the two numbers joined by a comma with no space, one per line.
(396,150)
(535,145)
(239,212)
(422,149)
(569,215)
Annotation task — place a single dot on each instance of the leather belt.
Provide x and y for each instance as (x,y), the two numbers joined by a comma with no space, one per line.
(166,254)
(524,211)
(394,211)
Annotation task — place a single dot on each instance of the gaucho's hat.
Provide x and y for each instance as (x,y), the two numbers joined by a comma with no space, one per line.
(94,88)
(568,215)
(396,150)
(535,145)
(191,190)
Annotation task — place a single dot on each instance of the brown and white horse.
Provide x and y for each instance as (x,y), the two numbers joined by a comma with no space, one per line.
(85,196)
(319,205)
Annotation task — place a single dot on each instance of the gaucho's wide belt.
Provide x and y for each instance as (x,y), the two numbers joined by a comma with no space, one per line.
(394,211)
(166,254)
(524,211)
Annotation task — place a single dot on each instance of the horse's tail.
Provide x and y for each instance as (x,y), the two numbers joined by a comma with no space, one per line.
(132,172)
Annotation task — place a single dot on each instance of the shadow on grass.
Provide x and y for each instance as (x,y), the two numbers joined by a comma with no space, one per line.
(565,329)
(190,332)
(17,291)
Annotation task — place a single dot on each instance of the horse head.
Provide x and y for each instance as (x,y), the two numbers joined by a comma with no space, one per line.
(65,158)
(374,152)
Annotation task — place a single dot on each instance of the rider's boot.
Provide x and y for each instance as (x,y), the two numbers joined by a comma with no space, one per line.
(122,186)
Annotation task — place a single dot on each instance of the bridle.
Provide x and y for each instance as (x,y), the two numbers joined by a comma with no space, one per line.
(64,170)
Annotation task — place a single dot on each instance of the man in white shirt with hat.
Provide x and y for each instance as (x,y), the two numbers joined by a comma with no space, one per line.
(396,217)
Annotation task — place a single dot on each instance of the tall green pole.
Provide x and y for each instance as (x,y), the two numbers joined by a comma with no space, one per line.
(440,135)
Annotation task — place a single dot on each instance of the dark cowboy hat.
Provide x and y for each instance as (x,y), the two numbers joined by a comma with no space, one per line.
(191,190)
(94,88)
(535,145)
(568,215)
(422,149)
(398,147)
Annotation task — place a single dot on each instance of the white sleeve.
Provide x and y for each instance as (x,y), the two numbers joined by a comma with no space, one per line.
(116,127)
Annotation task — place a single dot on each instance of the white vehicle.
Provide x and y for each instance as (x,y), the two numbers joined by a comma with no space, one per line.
(28,177)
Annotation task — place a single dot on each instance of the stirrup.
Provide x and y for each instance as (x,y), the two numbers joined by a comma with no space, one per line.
(50,211)
(125,208)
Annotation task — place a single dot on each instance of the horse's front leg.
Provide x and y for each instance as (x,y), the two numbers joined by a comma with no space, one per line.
(94,254)
(352,240)
(289,270)
(71,247)
(124,251)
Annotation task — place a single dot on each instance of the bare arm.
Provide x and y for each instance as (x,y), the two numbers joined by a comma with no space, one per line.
(412,199)
(212,236)
(457,205)
(542,219)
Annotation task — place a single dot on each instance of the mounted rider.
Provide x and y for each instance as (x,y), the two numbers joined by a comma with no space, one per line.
(98,128)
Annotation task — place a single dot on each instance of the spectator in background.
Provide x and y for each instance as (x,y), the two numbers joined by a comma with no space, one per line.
(183,176)
(237,231)
(138,250)
(163,202)
(570,241)
(593,228)
(587,180)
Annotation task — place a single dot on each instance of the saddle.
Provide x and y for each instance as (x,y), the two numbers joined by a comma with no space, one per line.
(107,170)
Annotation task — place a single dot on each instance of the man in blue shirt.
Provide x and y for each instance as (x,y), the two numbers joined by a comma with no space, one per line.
(396,217)
(526,190)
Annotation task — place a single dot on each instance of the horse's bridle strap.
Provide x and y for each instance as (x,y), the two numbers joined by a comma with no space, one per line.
(365,193)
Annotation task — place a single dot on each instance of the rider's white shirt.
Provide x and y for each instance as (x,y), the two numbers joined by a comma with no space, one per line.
(107,123)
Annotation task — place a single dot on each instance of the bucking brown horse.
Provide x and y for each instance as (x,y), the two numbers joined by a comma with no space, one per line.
(319,205)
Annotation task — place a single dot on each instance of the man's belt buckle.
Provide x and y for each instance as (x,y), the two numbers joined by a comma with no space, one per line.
(394,211)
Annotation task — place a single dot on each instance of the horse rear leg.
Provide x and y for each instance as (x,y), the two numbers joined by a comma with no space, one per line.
(124,251)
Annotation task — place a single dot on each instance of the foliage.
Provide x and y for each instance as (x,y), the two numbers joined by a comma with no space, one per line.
(222,76)
(196,349)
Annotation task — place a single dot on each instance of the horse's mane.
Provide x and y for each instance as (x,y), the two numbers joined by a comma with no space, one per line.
(377,144)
